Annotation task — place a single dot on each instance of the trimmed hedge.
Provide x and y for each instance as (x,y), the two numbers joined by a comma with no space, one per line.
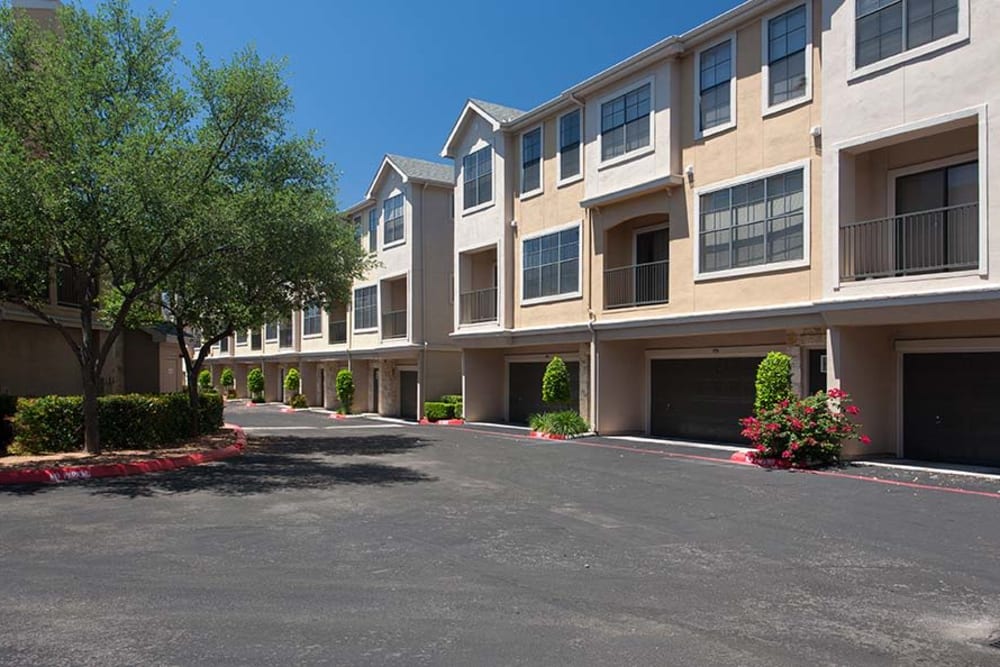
(128,421)
(435,410)
(456,401)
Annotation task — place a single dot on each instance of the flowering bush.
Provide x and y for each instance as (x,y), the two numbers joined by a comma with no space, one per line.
(803,431)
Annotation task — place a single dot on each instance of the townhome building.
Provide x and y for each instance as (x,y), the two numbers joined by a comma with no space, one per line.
(656,225)
(912,221)
(394,333)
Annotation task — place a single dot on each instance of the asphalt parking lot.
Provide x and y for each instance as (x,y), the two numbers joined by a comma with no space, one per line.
(365,542)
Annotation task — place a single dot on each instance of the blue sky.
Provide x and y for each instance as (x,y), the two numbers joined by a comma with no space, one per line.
(391,77)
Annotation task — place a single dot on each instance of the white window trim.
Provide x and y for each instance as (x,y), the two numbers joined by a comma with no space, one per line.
(378,307)
(698,133)
(382,221)
(245,343)
(541,163)
(482,206)
(306,336)
(560,181)
(567,296)
(638,152)
(768,109)
(277,334)
(805,166)
(855,72)
(378,225)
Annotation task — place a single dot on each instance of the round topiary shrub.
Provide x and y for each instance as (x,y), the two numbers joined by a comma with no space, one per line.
(774,381)
(205,380)
(555,383)
(226,378)
(345,390)
(293,381)
(255,384)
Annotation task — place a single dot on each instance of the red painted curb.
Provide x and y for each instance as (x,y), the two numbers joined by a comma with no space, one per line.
(73,473)
(547,436)
(740,457)
(442,422)
(287,410)
(337,415)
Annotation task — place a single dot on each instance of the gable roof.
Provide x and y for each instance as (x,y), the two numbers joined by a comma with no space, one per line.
(410,169)
(495,114)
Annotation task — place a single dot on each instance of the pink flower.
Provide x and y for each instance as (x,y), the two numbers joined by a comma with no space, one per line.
(852,410)
(836,393)
(865,440)
(786,454)
(809,410)
(796,424)
(760,448)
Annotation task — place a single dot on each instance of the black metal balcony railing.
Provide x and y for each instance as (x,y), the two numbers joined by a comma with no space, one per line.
(285,335)
(478,306)
(938,240)
(338,331)
(394,324)
(637,285)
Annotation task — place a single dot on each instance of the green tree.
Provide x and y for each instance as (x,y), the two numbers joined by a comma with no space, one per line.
(345,390)
(555,383)
(119,174)
(774,381)
(205,380)
(293,380)
(255,384)
(226,378)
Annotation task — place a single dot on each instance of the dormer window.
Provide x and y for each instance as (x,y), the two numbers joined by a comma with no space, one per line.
(477,177)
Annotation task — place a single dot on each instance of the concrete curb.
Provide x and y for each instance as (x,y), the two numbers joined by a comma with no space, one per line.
(556,436)
(59,474)
(442,422)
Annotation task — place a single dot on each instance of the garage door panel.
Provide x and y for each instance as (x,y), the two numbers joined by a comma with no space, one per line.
(408,394)
(950,407)
(525,389)
(701,399)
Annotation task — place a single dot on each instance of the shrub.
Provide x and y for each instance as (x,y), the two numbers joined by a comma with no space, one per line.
(255,385)
(456,401)
(435,410)
(293,380)
(565,422)
(298,401)
(555,382)
(774,381)
(804,432)
(345,390)
(55,423)
(226,379)
(205,380)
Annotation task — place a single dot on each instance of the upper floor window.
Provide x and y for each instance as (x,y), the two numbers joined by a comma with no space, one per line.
(551,264)
(569,145)
(884,28)
(477,175)
(366,308)
(531,161)
(715,86)
(271,331)
(754,223)
(625,122)
(358,230)
(392,214)
(787,72)
(224,344)
(241,337)
(255,342)
(312,321)
(373,230)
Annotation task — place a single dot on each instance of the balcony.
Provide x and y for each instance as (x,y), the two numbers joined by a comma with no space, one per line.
(478,306)
(338,332)
(394,324)
(637,285)
(933,241)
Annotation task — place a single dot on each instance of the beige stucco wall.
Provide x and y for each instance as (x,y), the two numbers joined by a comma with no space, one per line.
(483,393)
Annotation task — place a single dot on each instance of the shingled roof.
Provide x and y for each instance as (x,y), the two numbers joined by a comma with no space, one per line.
(423,170)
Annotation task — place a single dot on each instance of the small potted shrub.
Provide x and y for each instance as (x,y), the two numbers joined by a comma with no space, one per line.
(228,382)
(345,391)
(255,385)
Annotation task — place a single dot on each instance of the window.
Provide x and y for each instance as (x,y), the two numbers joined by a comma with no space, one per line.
(241,337)
(625,123)
(787,53)
(552,264)
(531,161)
(477,174)
(358,231)
(753,223)
(884,28)
(366,308)
(392,214)
(224,344)
(569,145)
(255,342)
(271,331)
(312,321)
(373,230)
(715,86)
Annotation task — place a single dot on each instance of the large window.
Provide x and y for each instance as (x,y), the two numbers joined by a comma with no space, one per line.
(241,337)
(477,175)
(373,230)
(551,264)
(531,161)
(625,122)
(312,321)
(366,308)
(271,331)
(884,28)
(255,342)
(224,344)
(787,39)
(569,145)
(392,214)
(715,76)
(753,223)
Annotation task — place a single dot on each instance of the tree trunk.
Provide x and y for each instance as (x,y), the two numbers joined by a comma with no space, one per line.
(91,431)
(191,368)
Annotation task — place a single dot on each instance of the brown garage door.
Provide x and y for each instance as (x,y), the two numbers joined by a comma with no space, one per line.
(524,396)
(701,399)
(950,407)
(408,394)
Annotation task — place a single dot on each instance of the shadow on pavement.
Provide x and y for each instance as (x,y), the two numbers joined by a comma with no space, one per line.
(269,465)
